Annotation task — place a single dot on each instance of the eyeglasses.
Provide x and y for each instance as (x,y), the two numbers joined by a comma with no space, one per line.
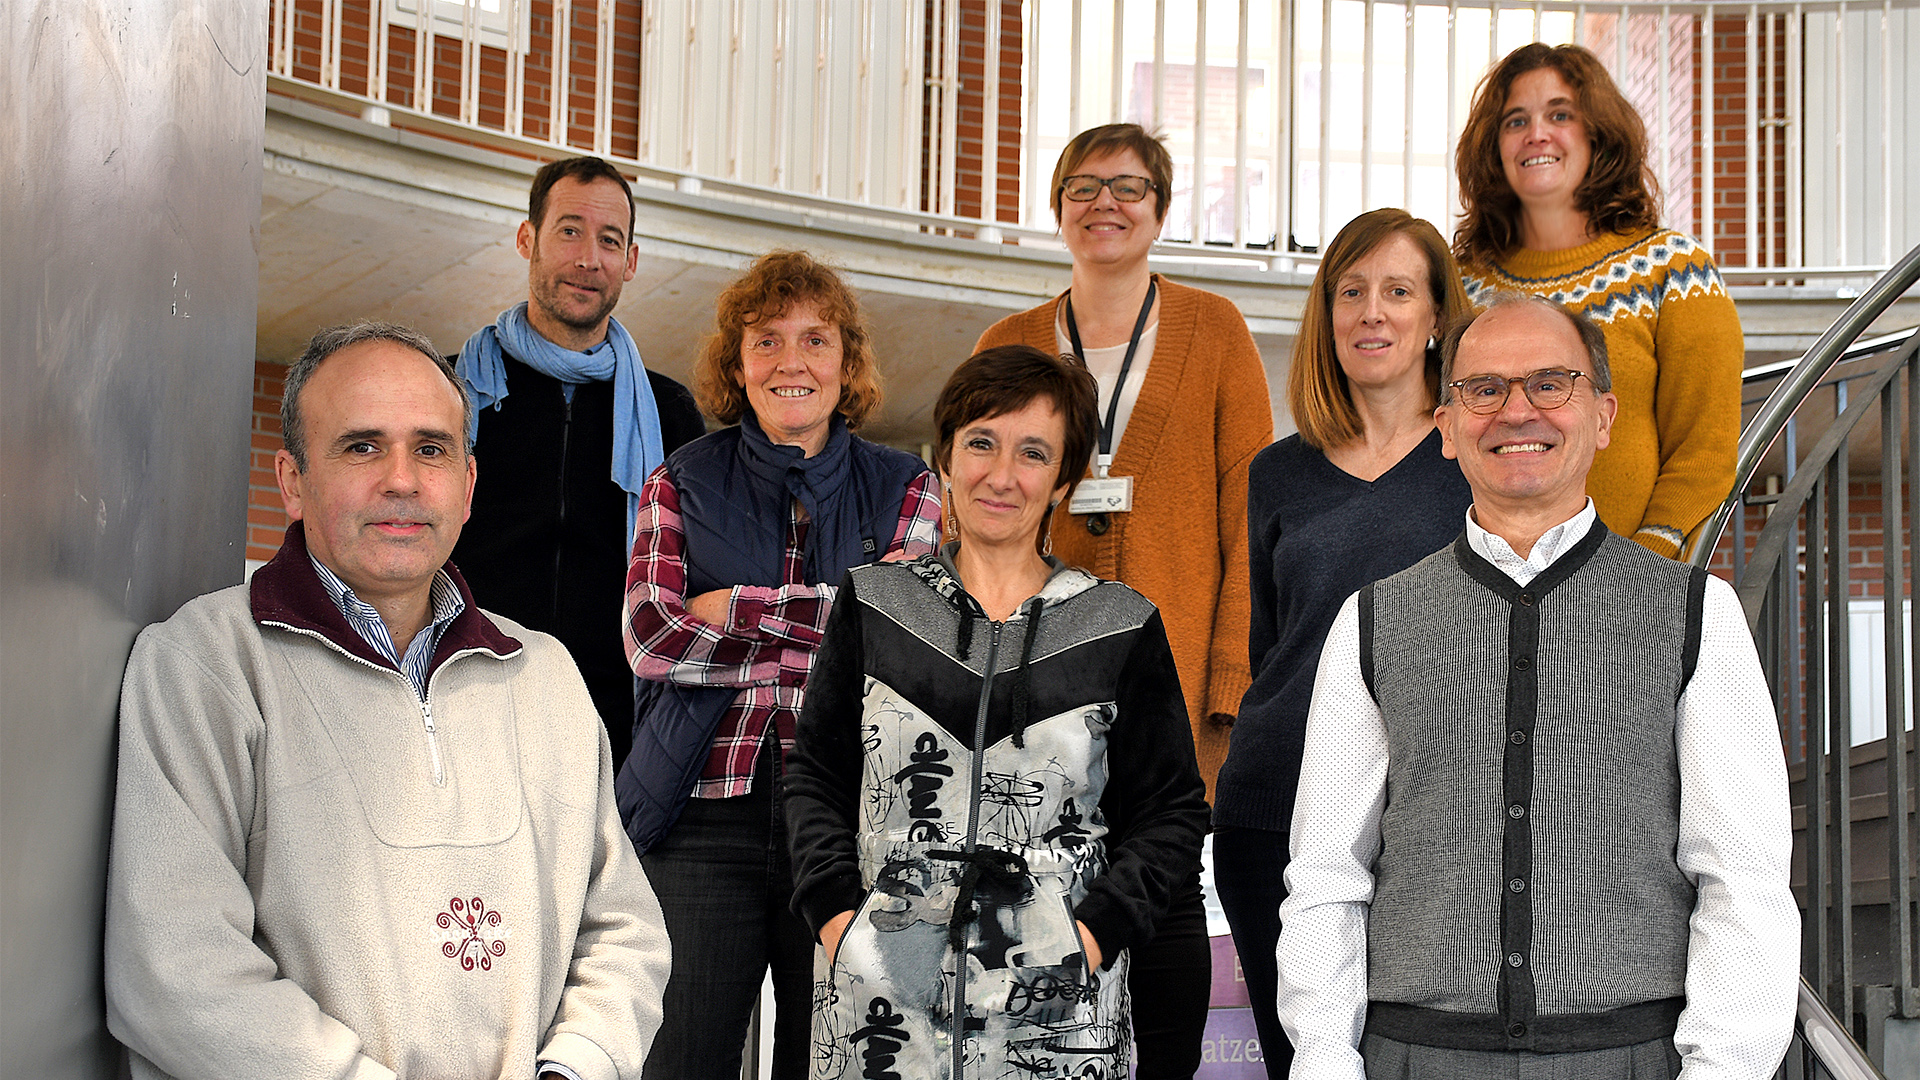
(1548,388)
(1124,188)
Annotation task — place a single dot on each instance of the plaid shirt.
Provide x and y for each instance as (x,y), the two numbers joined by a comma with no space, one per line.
(772,632)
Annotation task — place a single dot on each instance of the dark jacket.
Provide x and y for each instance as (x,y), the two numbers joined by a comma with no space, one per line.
(546,545)
(736,491)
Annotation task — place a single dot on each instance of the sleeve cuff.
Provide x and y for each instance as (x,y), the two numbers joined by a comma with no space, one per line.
(576,1057)
(830,899)
(744,613)
(1660,539)
(1227,683)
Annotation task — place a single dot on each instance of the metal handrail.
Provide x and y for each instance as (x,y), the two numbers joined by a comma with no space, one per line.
(1793,389)
(1829,1041)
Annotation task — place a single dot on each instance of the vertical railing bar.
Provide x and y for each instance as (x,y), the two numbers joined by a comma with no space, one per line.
(1240,91)
(377,53)
(1326,121)
(913,90)
(1663,41)
(1366,105)
(1199,223)
(1493,32)
(1032,172)
(603,80)
(1580,25)
(735,20)
(950,116)
(863,131)
(423,60)
(282,15)
(1283,130)
(1887,252)
(1074,66)
(1159,117)
(690,96)
(561,106)
(1406,111)
(1840,713)
(1908,994)
(1892,593)
(781,40)
(1768,138)
(1796,150)
(1116,101)
(1840,134)
(330,46)
(1621,52)
(469,65)
(1754,120)
(1820,826)
(1452,207)
(516,73)
(1539,12)
(990,128)
(1709,88)
(823,102)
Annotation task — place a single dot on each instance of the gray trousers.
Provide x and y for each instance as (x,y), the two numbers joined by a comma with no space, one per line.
(1387,1059)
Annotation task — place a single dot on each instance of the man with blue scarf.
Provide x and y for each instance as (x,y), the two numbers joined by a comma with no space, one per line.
(570,423)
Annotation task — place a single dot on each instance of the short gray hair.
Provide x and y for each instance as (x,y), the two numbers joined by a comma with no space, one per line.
(334,338)
(1590,336)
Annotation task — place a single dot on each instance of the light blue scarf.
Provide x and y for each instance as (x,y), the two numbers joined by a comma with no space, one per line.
(637,446)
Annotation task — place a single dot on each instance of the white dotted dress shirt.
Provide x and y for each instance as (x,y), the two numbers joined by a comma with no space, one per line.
(1735,842)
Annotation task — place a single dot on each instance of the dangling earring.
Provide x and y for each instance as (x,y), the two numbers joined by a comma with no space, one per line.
(947,531)
(1046,526)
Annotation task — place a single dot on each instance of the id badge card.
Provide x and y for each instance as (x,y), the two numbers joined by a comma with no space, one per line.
(1102,495)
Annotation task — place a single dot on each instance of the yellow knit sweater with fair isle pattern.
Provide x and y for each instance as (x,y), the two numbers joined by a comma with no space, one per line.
(1674,344)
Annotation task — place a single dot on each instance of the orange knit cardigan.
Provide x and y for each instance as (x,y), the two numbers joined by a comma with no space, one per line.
(1202,415)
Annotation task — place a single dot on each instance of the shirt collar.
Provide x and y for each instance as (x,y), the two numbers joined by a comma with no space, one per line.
(443,598)
(1552,544)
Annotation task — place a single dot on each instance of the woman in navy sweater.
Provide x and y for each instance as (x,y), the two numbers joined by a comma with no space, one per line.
(1360,493)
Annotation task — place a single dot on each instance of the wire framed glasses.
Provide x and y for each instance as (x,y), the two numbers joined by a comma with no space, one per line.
(1547,389)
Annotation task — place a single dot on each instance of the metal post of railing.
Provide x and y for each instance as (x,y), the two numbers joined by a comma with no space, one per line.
(1901,776)
(736,18)
(1033,172)
(1366,105)
(1752,127)
(557,129)
(1709,93)
(1886,132)
(1452,208)
(1892,592)
(1159,117)
(1406,113)
(990,122)
(377,53)
(423,58)
(950,110)
(1821,841)
(1326,124)
(1241,86)
(1116,99)
(1796,242)
(1283,128)
(1075,32)
(1493,32)
(1663,42)
(1764,123)
(863,130)
(782,39)
(1580,25)
(603,79)
(913,87)
(690,96)
(330,43)
(516,73)
(1840,133)
(1199,212)
(469,109)
(1840,715)
(823,88)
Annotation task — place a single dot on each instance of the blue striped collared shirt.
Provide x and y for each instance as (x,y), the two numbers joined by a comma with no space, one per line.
(445,599)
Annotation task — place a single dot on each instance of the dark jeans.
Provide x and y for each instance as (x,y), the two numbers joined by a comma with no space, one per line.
(724,883)
(1170,980)
(1247,869)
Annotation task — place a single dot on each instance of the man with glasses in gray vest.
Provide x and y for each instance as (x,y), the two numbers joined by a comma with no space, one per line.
(1543,827)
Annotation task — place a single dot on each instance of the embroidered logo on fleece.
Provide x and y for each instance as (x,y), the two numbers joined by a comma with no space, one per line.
(472,933)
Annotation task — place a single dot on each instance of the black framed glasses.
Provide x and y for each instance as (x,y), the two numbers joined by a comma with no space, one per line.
(1548,388)
(1124,188)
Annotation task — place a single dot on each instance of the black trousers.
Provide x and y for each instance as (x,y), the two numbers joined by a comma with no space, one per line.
(1247,869)
(1170,981)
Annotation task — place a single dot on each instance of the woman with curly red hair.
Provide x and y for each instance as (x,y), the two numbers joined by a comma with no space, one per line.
(1558,202)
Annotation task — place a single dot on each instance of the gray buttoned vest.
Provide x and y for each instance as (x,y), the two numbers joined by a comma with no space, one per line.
(1527,896)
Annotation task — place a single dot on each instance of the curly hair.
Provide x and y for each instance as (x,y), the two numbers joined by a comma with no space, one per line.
(773,284)
(1619,193)
(1318,395)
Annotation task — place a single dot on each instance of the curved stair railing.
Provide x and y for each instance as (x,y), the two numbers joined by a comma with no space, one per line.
(1795,578)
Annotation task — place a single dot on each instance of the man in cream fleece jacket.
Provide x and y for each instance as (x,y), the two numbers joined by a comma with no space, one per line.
(364,829)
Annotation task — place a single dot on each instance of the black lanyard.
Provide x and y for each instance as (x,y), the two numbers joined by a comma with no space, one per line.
(1126,364)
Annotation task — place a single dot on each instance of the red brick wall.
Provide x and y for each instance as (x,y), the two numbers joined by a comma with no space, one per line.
(1722,110)
(969,184)
(1865,540)
(266,518)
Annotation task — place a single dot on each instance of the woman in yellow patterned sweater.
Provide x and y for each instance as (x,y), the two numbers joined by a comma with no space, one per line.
(1558,202)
